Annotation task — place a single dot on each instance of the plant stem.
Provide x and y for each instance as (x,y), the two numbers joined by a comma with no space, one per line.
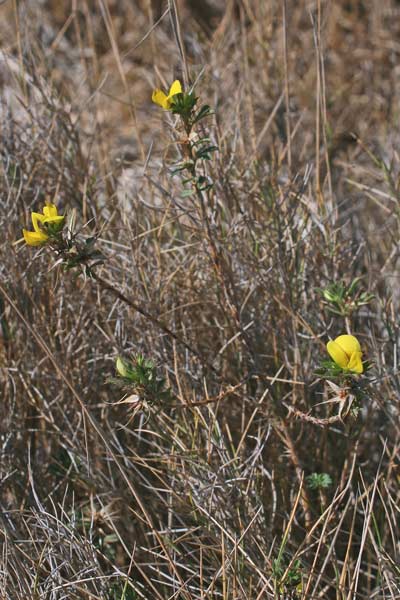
(107,285)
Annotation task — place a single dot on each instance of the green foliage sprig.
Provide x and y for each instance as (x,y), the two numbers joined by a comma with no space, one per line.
(197,148)
(287,581)
(317,481)
(139,377)
(343,300)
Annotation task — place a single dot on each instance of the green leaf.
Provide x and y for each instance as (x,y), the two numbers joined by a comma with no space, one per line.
(319,481)
(205,111)
(182,167)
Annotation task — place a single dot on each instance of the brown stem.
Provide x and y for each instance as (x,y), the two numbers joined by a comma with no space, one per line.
(109,286)
(314,420)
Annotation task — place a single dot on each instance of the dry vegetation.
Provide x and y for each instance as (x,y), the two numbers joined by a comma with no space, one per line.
(202,492)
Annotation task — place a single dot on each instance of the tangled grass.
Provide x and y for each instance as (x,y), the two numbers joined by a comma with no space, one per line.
(225,472)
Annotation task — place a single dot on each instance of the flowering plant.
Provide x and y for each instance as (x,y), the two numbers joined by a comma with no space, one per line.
(166,101)
(346,353)
(45,226)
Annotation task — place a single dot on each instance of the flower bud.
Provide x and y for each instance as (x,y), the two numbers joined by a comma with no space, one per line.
(121,367)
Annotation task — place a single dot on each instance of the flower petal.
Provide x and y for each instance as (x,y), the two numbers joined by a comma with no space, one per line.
(36,218)
(34,238)
(337,354)
(355,363)
(176,88)
(50,210)
(160,98)
(349,344)
(56,219)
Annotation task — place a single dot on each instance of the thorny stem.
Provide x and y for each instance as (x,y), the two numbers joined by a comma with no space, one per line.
(107,285)
(314,420)
(215,255)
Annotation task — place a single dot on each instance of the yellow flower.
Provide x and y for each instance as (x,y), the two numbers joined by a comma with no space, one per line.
(40,236)
(160,98)
(346,353)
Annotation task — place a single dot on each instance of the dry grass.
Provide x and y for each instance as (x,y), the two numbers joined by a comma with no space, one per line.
(203,493)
